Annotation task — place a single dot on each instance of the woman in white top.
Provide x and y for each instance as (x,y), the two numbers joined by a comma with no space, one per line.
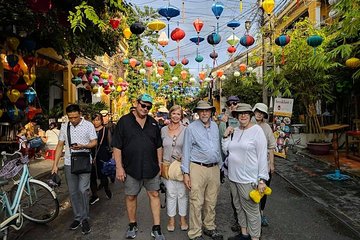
(261,113)
(246,147)
(176,194)
(51,137)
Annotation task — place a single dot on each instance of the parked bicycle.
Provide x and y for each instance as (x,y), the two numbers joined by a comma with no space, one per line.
(28,198)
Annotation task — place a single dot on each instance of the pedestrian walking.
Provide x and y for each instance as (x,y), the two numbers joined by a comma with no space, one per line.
(81,140)
(176,193)
(261,113)
(247,165)
(228,120)
(101,153)
(138,153)
(201,156)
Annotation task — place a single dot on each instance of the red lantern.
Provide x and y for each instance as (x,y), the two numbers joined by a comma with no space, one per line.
(177,35)
(184,61)
(114,23)
(198,24)
(183,74)
(220,72)
(160,63)
(148,63)
(231,49)
(107,91)
(173,63)
(242,67)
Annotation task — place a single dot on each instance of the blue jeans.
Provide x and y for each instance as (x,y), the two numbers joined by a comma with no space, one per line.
(79,188)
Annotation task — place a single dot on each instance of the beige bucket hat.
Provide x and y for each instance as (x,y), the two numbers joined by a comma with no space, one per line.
(202,105)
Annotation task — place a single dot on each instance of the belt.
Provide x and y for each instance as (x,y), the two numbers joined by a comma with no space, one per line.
(206,164)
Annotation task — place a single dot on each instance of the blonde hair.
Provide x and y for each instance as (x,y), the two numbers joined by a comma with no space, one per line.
(175,108)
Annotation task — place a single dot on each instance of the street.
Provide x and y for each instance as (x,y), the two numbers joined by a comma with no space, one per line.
(291,214)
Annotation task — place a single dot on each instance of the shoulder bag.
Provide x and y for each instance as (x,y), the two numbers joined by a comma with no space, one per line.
(80,161)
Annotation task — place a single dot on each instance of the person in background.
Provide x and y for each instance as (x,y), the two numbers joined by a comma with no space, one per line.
(261,113)
(101,153)
(201,157)
(227,120)
(176,195)
(185,121)
(162,116)
(247,166)
(83,139)
(51,139)
(138,153)
(107,120)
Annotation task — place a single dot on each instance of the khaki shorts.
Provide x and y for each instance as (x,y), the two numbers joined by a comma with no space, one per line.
(133,186)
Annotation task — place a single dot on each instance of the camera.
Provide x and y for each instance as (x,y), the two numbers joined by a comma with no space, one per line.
(162,187)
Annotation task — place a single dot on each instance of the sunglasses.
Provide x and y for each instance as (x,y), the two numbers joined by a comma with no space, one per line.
(174,141)
(143,105)
(231,103)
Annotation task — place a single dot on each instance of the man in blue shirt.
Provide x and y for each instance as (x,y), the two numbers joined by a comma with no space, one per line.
(201,156)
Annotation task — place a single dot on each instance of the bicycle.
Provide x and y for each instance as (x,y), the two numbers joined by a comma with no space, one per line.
(28,198)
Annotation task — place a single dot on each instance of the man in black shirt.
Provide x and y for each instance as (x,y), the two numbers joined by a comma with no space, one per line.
(138,152)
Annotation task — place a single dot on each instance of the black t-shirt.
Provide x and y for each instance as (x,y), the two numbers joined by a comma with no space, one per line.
(138,146)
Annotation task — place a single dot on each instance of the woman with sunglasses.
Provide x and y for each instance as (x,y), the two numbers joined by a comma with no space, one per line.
(176,194)
(248,170)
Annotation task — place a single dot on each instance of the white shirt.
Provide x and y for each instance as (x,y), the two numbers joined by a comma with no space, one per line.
(52,137)
(247,160)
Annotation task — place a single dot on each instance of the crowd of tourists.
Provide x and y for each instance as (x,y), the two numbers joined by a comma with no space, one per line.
(186,155)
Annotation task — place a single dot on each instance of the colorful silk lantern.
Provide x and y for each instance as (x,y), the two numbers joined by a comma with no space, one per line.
(114,23)
(220,73)
(198,25)
(213,38)
(126,61)
(202,75)
(76,81)
(282,41)
(197,40)
(160,70)
(231,49)
(169,12)
(242,67)
(314,41)
(29,78)
(268,6)
(160,63)
(163,40)
(127,33)
(233,24)
(217,8)
(184,61)
(183,74)
(133,62)
(247,40)
(148,64)
(173,63)
(177,35)
(156,25)
(13,95)
(199,58)
(213,54)
(233,40)
(137,28)
(353,62)
(236,74)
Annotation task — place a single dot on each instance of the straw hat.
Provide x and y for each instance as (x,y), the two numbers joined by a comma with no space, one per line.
(163,109)
(202,105)
(262,108)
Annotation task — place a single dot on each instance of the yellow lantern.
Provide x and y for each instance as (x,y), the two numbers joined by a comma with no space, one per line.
(353,62)
(268,6)
(127,33)
(156,25)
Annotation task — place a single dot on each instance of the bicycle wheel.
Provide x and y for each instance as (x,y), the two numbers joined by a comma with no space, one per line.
(38,202)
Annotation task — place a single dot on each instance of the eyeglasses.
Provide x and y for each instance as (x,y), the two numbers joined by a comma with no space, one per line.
(244,113)
(143,105)
(174,141)
(231,103)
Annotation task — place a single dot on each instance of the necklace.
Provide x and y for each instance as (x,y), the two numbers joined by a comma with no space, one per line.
(175,128)
(243,128)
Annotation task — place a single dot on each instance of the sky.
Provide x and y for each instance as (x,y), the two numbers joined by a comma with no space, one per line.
(193,9)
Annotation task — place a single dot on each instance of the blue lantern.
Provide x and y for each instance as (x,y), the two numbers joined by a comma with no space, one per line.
(30,95)
(197,40)
(199,58)
(169,12)
(217,8)
(214,38)
(233,24)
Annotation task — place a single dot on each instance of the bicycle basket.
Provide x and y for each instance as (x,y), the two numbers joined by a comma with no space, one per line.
(13,167)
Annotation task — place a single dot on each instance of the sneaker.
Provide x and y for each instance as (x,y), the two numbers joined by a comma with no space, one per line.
(198,238)
(85,227)
(240,237)
(264,221)
(131,232)
(75,224)
(108,194)
(235,227)
(93,200)
(214,234)
(156,234)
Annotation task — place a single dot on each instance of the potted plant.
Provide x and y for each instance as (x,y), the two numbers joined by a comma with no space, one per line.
(319,147)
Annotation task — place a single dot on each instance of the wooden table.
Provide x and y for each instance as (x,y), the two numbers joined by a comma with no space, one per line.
(335,128)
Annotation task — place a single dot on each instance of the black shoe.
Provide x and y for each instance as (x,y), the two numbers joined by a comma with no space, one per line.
(198,238)
(108,194)
(240,237)
(85,227)
(235,227)
(93,200)
(112,179)
(214,234)
(75,224)
(100,186)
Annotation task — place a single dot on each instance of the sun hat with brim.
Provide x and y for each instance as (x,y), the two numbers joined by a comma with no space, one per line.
(233,99)
(104,112)
(145,98)
(163,109)
(202,105)
(242,108)
(262,108)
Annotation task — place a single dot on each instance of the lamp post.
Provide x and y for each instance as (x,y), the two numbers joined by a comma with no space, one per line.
(247,25)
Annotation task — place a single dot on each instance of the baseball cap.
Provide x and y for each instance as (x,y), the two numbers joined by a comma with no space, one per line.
(233,98)
(145,98)
(104,112)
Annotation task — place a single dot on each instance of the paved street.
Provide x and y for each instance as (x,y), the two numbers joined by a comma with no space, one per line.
(293,214)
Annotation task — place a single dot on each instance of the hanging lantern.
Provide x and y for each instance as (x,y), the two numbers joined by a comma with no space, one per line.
(192,80)
(233,24)
(169,12)
(156,25)
(160,70)
(314,41)
(197,40)
(220,73)
(142,71)
(236,74)
(29,78)
(133,62)
(137,63)
(282,41)
(207,79)
(222,78)
(13,95)
(353,62)
(202,75)
(160,63)
(107,91)
(242,67)
(148,64)
(76,81)
(268,6)
(233,40)
(213,38)
(114,23)
(177,35)
(137,28)
(184,61)
(231,49)
(247,41)
(173,63)
(199,58)
(183,74)
(217,8)
(127,33)
(198,25)
(163,40)
(214,55)
(174,79)
(126,61)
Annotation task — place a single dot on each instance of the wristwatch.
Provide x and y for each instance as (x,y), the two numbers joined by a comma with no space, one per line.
(185,173)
